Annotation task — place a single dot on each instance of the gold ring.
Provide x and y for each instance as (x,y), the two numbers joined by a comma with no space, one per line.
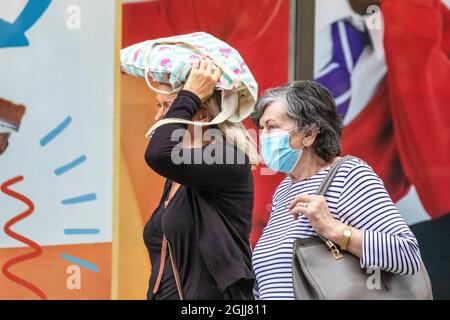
(302,204)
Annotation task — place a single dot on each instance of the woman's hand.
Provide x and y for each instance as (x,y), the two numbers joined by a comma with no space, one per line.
(202,79)
(316,210)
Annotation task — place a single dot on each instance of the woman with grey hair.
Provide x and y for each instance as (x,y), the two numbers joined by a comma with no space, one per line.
(301,136)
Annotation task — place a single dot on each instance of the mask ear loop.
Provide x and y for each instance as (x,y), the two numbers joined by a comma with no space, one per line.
(303,142)
(298,150)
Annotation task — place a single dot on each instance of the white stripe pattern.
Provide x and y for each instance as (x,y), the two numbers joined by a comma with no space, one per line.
(345,46)
(358,198)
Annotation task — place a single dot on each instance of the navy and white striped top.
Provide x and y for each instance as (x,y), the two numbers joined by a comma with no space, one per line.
(357,197)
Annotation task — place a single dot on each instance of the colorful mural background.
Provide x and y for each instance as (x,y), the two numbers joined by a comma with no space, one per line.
(75,190)
(56,174)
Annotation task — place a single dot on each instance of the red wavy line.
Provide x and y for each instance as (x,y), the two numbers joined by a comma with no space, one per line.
(37,249)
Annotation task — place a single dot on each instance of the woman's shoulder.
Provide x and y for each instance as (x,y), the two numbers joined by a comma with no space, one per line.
(355,168)
(351,164)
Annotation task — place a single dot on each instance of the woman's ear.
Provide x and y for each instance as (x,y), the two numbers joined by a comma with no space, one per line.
(203,114)
(310,136)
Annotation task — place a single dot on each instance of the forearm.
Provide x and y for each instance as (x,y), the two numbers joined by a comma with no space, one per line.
(185,106)
(193,167)
(368,245)
(159,150)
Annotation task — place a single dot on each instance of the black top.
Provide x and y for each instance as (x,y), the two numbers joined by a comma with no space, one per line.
(208,220)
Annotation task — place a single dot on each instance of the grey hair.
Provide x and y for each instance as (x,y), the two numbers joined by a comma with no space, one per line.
(310,106)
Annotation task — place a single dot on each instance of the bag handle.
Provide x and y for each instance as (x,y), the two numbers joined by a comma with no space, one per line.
(321,191)
(221,117)
(233,77)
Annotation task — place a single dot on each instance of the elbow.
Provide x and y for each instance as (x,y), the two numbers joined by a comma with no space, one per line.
(414,253)
(163,160)
(416,265)
(413,260)
(154,157)
(410,270)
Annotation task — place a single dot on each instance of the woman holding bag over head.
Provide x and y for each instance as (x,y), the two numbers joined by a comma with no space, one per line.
(197,237)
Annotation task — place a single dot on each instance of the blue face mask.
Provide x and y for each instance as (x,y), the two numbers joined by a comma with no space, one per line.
(277,153)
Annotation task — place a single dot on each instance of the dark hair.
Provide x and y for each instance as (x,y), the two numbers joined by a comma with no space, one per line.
(310,105)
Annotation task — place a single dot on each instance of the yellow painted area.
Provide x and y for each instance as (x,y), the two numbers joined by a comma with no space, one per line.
(116,152)
(134,265)
(138,190)
(138,112)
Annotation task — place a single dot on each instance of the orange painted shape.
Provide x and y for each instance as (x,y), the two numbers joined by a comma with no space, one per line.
(48,272)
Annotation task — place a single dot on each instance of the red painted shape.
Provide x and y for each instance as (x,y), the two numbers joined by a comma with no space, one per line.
(37,249)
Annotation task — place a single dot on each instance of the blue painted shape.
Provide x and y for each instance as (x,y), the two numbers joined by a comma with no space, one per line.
(13,34)
(81,263)
(70,165)
(83,198)
(55,132)
(81,231)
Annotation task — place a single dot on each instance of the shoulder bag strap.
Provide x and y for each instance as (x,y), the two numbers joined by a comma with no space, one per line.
(175,272)
(162,262)
(322,190)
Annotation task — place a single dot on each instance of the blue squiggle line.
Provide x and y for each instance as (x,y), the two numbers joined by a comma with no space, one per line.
(81,263)
(55,132)
(83,198)
(81,231)
(70,165)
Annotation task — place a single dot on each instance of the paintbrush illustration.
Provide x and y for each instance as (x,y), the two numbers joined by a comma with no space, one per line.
(11,115)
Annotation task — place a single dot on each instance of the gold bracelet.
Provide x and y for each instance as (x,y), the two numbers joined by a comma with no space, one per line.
(346,234)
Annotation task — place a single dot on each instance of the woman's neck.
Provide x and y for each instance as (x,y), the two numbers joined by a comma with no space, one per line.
(309,165)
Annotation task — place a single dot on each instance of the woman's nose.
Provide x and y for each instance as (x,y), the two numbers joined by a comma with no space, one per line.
(160,114)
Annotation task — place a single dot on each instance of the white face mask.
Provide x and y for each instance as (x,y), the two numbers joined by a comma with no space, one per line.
(277,153)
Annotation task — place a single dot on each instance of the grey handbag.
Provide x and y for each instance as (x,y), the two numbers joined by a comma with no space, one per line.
(322,272)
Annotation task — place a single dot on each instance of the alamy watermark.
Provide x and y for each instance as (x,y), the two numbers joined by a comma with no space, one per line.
(73,281)
(73,21)
(218,149)
(374,280)
(374,19)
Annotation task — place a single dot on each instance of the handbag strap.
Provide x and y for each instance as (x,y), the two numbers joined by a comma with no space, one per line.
(175,272)
(162,263)
(322,190)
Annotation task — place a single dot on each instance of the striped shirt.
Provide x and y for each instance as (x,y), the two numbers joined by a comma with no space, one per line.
(357,197)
